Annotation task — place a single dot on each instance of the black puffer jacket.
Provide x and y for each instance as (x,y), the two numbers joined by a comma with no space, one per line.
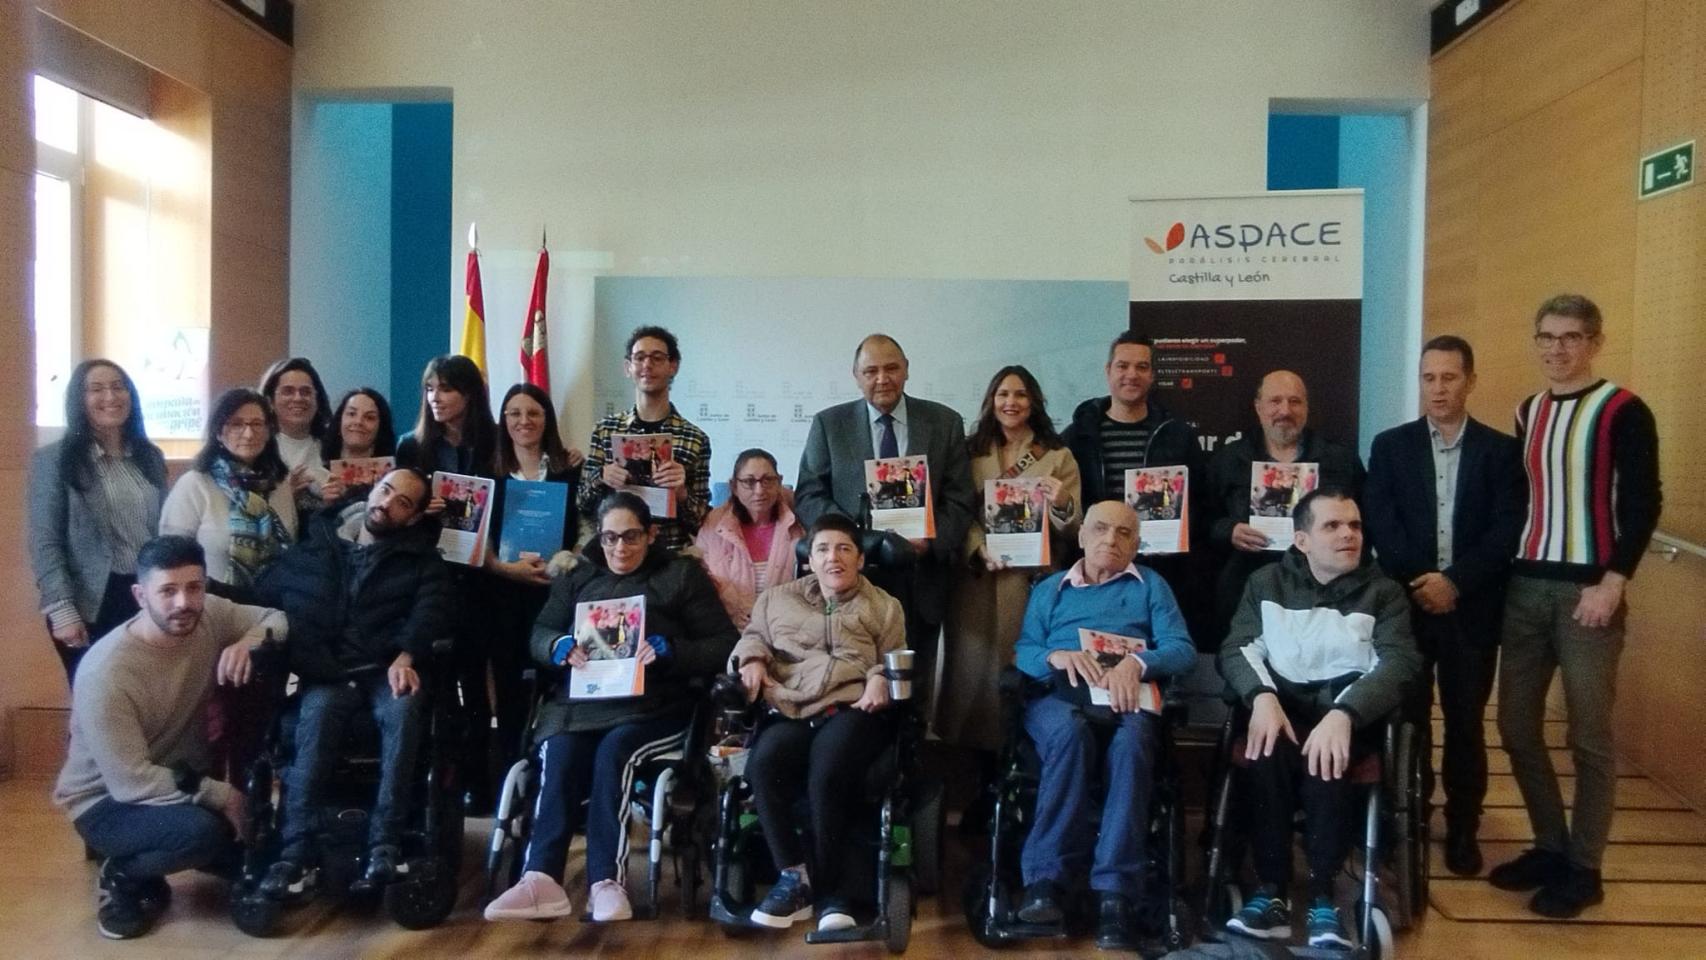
(1172,442)
(356,607)
(681,606)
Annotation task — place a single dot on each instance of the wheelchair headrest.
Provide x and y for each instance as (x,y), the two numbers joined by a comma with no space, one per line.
(883,550)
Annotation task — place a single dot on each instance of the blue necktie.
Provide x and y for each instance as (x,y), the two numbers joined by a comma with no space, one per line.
(887,447)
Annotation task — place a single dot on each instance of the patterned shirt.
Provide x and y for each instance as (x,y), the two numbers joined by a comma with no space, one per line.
(1125,446)
(692,449)
(127,507)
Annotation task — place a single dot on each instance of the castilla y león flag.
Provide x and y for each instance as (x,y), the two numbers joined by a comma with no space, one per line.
(474,322)
(535,368)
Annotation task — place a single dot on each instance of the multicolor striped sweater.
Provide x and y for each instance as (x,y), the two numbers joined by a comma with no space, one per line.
(1592,459)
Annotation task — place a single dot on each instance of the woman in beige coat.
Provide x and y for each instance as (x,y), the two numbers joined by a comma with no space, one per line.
(1013,438)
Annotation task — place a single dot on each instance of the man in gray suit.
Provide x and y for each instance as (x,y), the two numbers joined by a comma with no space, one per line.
(888,423)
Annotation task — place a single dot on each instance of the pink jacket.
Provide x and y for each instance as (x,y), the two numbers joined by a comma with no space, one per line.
(731,566)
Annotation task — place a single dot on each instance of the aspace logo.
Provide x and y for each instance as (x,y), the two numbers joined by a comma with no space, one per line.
(1204,237)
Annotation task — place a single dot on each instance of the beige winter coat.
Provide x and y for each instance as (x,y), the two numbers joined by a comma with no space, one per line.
(820,654)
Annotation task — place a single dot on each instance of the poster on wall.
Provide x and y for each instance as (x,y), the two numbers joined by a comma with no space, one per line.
(1231,288)
(172,379)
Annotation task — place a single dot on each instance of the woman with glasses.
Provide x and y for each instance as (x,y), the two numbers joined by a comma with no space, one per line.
(361,430)
(749,541)
(585,745)
(94,500)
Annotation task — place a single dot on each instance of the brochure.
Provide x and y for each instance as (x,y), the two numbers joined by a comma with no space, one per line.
(1015,521)
(1109,649)
(363,472)
(900,496)
(1275,489)
(1161,497)
(466,518)
(533,520)
(609,632)
(639,454)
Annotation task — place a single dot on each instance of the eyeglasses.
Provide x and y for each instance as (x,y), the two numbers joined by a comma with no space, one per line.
(750,484)
(245,426)
(632,537)
(658,358)
(1573,339)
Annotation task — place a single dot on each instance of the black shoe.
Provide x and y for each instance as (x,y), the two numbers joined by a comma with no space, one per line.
(1265,916)
(789,899)
(1567,897)
(1042,903)
(155,894)
(1324,926)
(121,913)
(284,879)
(1116,924)
(1534,869)
(382,865)
(1462,851)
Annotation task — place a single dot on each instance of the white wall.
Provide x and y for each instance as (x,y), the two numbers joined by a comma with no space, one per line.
(988,139)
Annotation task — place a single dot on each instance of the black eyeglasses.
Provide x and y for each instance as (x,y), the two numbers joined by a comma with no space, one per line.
(753,483)
(1572,339)
(632,537)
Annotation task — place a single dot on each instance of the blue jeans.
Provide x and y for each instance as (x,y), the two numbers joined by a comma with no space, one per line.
(1064,839)
(325,713)
(152,840)
(595,768)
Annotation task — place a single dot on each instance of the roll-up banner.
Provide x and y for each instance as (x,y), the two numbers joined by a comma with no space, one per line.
(1230,288)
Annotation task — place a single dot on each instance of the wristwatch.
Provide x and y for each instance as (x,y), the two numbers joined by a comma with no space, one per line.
(187,780)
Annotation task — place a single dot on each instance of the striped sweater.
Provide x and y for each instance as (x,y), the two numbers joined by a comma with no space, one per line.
(1592,459)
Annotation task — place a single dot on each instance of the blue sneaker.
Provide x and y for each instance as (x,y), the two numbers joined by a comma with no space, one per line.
(789,899)
(1266,916)
(1326,928)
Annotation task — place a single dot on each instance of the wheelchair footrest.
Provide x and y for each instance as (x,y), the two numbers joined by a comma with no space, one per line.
(873,931)
(1018,929)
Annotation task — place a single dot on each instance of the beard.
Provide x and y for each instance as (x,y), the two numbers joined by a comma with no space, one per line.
(180,623)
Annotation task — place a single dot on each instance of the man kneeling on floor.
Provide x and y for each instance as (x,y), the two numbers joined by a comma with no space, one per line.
(133,781)
(1106,591)
(1320,648)
(367,594)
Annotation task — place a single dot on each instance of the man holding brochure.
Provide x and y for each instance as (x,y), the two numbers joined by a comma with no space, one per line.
(886,425)
(1105,593)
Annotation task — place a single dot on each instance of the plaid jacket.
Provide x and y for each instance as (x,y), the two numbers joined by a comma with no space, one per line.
(692,451)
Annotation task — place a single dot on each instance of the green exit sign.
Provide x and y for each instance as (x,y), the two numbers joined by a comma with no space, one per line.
(1666,170)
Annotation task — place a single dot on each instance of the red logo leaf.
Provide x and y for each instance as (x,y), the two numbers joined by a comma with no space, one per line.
(1176,235)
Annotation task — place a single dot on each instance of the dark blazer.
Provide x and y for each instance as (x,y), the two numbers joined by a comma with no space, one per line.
(1400,511)
(832,478)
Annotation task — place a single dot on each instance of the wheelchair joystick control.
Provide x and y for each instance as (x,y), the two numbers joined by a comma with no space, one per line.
(897,668)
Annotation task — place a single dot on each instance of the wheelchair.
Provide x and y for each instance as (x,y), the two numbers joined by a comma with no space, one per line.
(992,890)
(1390,867)
(668,791)
(425,891)
(902,847)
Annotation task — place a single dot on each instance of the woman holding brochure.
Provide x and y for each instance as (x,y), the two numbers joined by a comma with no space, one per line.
(1014,439)
(748,542)
(585,744)
(299,399)
(530,451)
(362,431)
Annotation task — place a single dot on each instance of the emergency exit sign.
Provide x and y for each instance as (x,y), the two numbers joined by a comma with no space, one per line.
(1666,170)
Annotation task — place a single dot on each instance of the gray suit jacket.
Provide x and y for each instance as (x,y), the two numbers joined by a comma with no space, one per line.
(68,545)
(832,477)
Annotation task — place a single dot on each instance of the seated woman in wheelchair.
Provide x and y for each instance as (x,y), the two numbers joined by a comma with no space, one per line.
(1320,652)
(1105,592)
(813,652)
(585,745)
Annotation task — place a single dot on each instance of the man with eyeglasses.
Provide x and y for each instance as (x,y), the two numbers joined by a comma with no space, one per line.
(652,359)
(889,423)
(1590,449)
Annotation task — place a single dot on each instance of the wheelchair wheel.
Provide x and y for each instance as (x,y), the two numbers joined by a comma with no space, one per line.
(254,914)
(1410,848)
(422,903)
(899,913)
(974,900)
(1383,946)
(928,824)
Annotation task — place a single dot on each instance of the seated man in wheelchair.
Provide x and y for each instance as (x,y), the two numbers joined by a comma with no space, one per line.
(1105,592)
(813,652)
(1320,652)
(586,745)
(366,593)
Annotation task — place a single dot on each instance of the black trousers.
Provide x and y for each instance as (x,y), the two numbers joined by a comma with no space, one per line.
(477,633)
(828,760)
(1279,782)
(1464,657)
(118,604)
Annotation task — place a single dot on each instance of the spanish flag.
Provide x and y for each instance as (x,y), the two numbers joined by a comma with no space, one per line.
(474,324)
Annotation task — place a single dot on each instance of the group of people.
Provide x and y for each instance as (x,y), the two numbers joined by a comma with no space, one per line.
(1396,578)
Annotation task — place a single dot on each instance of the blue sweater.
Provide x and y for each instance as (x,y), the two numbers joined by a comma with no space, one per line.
(1123,605)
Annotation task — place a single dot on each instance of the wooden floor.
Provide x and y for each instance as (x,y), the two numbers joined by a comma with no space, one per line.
(47,909)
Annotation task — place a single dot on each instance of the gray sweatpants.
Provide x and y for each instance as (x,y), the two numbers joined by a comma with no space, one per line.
(1540,638)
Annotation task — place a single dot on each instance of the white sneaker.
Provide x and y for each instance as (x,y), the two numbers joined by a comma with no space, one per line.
(610,902)
(835,920)
(535,897)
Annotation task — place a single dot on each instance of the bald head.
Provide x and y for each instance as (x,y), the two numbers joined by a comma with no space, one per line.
(1109,538)
(1282,406)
